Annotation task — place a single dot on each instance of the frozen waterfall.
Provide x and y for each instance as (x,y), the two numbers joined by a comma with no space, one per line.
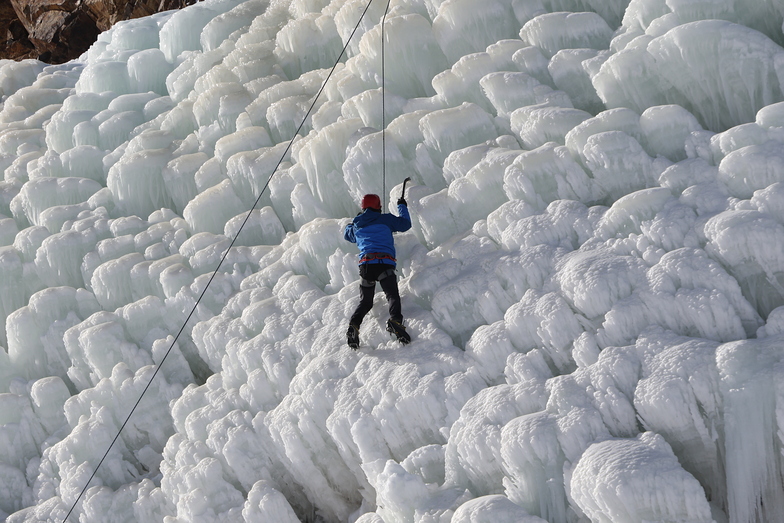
(594,279)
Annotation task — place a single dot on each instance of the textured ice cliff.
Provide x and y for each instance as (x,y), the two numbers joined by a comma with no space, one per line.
(594,279)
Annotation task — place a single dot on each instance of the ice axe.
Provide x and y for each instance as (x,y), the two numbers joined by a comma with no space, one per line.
(403,192)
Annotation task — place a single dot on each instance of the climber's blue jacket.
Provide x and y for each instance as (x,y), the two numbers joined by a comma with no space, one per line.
(372,232)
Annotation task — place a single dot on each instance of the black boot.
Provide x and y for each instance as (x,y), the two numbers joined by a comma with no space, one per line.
(352,336)
(397,328)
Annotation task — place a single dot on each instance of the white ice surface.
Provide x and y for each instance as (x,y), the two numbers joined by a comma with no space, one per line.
(594,279)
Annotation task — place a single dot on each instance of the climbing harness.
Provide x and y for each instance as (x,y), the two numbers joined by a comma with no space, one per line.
(372,283)
(371,256)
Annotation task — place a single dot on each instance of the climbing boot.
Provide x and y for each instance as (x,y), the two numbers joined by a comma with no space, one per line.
(397,328)
(352,336)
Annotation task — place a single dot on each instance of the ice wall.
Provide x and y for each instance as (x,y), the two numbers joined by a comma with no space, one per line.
(594,278)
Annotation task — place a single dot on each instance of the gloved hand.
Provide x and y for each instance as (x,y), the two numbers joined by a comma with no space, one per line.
(402,201)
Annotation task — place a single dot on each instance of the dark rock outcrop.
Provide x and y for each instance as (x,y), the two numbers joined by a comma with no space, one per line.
(14,35)
(56,31)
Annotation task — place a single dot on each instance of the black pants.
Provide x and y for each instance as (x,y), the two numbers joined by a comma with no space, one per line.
(370,273)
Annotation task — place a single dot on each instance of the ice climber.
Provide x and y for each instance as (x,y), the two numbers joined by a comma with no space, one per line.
(372,231)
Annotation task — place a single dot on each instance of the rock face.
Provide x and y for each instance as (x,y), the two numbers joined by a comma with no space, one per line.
(56,31)
(13,33)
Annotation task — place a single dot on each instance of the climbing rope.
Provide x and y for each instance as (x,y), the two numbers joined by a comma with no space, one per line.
(223,258)
(383,115)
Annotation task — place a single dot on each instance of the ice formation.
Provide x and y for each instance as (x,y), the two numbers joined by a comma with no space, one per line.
(594,279)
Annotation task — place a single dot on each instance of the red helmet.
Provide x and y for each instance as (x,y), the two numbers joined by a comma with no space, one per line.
(372,201)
